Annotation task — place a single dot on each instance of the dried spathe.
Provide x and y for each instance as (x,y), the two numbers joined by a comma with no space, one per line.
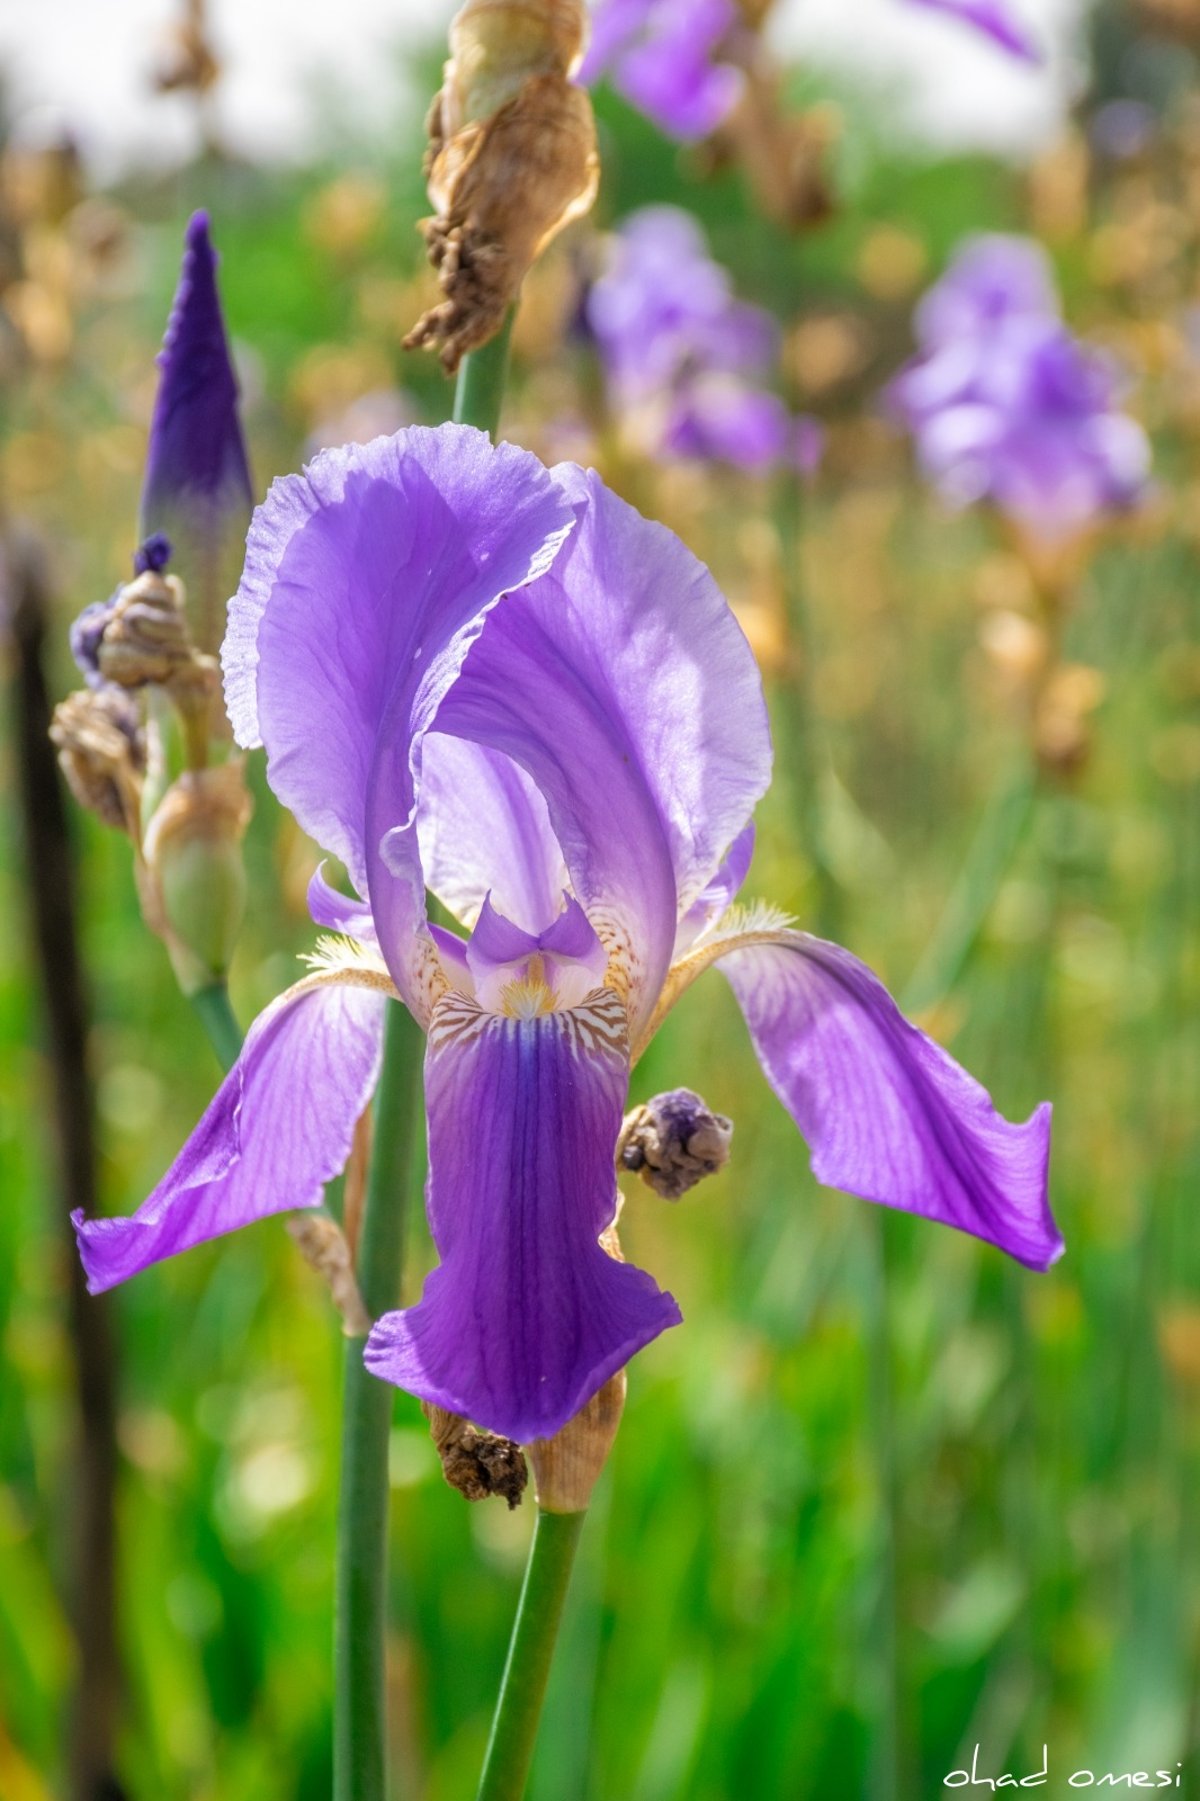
(511,161)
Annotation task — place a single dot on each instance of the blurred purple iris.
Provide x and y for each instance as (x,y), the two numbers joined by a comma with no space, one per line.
(684,359)
(664,57)
(502,684)
(1007,406)
(995,20)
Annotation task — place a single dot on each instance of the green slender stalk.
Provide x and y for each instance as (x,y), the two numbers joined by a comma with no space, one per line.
(360,1614)
(885,1760)
(211,1007)
(796,721)
(530,1652)
(481,379)
(1001,831)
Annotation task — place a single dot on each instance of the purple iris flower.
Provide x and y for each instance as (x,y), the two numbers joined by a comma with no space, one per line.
(663,57)
(197,486)
(994,19)
(718,419)
(683,354)
(500,683)
(1006,405)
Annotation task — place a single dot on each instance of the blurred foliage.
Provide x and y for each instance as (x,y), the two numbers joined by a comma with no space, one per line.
(728,1631)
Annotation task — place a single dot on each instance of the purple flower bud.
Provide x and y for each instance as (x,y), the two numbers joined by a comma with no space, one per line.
(197,487)
(154,554)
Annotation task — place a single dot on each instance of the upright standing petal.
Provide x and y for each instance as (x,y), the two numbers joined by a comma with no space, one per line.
(483,827)
(720,893)
(527,1316)
(197,484)
(887,1113)
(621,682)
(366,580)
(279,1127)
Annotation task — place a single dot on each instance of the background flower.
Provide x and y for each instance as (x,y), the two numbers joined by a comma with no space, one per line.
(1007,406)
(684,359)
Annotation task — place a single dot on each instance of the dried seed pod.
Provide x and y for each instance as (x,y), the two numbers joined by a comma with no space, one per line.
(511,161)
(477,1464)
(673,1142)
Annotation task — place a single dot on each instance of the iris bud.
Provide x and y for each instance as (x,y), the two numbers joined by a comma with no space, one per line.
(194,872)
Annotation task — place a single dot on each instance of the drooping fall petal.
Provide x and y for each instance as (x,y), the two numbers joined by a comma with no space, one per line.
(279,1127)
(526,1316)
(887,1113)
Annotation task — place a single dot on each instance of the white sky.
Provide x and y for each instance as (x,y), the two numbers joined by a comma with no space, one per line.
(292,63)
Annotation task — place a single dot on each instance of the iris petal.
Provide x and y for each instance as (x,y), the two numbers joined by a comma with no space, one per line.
(483,827)
(366,579)
(887,1113)
(279,1127)
(621,682)
(527,1316)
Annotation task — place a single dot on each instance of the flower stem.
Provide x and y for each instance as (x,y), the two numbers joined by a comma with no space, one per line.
(481,378)
(360,1616)
(211,1007)
(1001,830)
(796,720)
(530,1651)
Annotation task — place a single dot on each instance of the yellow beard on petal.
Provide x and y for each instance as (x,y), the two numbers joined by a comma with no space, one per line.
(530,996)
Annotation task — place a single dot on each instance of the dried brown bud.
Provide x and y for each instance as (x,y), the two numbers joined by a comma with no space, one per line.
(147,638)
(673,1142)
(323,1246)
(511,161)
(102,753)
(187,61)
(477,1464)
(567,1467)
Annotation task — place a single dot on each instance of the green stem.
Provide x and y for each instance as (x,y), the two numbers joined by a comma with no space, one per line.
(885,1751)
(796,719)
(523,1688)
(481,378)
(360,1709)
(211,1007)
(1001,830)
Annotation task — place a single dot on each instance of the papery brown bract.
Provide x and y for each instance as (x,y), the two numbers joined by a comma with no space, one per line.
(511,161)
